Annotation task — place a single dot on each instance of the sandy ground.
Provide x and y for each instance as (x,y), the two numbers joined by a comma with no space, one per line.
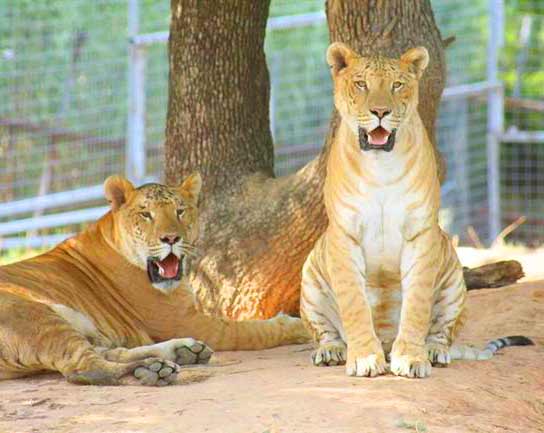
(278,391)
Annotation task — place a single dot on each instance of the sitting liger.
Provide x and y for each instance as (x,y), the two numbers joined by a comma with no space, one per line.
(113,302)
(384,279)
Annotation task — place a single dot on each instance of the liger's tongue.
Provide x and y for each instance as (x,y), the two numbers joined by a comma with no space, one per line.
(168,268)
(378,136)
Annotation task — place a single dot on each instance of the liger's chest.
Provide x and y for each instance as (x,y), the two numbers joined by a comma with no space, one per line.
(382,221)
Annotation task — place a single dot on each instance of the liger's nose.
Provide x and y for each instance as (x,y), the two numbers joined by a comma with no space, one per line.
(170,239)
(381,112)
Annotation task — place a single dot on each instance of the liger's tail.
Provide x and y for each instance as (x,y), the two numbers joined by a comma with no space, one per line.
(471,353)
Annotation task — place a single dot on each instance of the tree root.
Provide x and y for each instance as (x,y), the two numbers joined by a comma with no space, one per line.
(493,275)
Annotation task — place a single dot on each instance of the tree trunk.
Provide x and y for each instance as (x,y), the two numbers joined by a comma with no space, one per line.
(217,118)
(256,230)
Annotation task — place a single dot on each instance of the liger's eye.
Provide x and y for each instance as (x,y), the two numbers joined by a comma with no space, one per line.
(397,85)
(361,85)
(146,216)
(180,212)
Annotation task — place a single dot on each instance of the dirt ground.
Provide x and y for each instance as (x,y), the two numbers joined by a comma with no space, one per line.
(278,391)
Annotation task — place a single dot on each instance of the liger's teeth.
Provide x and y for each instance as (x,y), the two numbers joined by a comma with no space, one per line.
(161,270)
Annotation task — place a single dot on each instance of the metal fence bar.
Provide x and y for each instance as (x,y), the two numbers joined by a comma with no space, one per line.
(149,39)
(296,21)
(495,116)
(33,242)
(470,90)
(135,147)
(461,158)
(55,220)
(275,23)
(516,136)
(57,199)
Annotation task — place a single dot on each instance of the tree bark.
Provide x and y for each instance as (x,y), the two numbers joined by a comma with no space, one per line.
(217,117)
(493,275)
(256,230)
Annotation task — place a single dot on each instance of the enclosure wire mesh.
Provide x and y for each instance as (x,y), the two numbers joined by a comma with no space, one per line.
(522,163)
(63,100)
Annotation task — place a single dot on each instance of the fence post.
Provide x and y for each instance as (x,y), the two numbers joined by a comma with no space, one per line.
(495,115)
(135,157)
(460,139)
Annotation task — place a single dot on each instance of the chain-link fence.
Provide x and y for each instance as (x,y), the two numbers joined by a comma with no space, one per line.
(522,156)
(83,94)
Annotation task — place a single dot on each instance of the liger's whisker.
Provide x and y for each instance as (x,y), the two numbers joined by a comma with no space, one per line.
(190,253)
(189,246)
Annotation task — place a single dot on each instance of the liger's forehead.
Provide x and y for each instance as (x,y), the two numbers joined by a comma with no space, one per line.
(379,65)
(157,194)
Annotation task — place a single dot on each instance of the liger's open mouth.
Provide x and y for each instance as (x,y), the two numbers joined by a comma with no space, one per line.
(167,269)
(377,139)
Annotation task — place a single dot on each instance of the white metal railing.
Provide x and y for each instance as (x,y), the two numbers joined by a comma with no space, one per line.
(471,90)
(50,201)
(517,136)
(495,115)
(33,241)
(53,220)
(135,145)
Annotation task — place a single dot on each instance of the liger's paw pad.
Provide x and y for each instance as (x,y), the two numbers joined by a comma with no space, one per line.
(193,352)
(156,372)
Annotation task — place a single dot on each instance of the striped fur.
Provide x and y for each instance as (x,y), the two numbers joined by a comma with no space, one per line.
(384,278)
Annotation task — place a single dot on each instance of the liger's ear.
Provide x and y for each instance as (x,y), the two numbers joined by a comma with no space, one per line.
(339,56)
(191,186)
(116,189)
(418,58)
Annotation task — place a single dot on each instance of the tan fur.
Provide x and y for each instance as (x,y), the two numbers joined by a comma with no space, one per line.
(88,310)
(384,276)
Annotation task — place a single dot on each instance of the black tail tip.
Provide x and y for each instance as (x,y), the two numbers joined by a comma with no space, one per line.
(519,340)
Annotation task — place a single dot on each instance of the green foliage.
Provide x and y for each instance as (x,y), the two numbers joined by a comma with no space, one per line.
(280,8)
(417,426)
(467,20)
(523,62)
(17,254)
(529,6)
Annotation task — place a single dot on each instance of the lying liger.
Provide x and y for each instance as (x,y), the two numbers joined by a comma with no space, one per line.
(384,275)
(93,307)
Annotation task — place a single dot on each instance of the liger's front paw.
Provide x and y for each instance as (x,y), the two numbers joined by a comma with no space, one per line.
(331,353)
(410,361)
(366,365)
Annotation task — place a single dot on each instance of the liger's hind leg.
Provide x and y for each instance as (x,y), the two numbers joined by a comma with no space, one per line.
(448,311)
(35,339)
(320,314)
